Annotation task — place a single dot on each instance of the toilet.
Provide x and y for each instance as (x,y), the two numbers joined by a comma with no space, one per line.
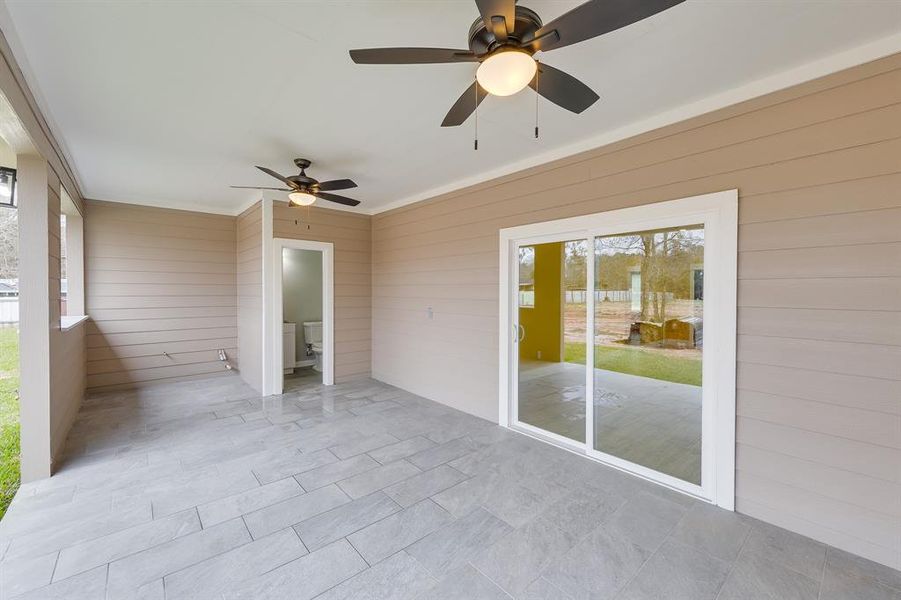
(312,335)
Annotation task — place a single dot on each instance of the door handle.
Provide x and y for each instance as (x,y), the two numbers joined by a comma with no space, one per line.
(522,333)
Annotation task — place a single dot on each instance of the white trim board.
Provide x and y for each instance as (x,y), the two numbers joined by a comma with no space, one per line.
(273,375)
(718,212)
(271,338)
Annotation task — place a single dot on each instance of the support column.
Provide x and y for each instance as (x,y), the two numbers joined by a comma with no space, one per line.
(35,314)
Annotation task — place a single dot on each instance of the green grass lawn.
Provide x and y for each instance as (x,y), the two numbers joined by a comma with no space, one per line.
(636,361)
(9,416)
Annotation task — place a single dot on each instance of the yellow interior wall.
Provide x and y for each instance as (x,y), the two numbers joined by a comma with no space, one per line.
(542,323)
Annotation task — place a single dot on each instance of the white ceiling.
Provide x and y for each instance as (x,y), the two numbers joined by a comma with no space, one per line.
(169,103)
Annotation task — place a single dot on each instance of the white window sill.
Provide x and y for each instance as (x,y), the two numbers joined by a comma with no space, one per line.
(71,322)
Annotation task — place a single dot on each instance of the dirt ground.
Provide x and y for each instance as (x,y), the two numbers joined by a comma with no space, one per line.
(613,319)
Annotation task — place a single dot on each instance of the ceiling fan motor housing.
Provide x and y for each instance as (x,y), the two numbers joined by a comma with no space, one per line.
(482,41)
(305,183)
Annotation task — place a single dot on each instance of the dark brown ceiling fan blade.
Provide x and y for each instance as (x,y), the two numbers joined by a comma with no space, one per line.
(281,178)
(506,9)
(464,106)
(563,89)
(257,187)
(410,56)
(594,18)
(336,198)
(337,184)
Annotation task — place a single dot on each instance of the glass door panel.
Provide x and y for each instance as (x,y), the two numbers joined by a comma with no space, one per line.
(648,340)
(552,336)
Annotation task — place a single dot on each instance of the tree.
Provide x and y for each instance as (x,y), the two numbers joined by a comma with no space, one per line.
(526,264)
(9,244)
(664,257)
(575,265)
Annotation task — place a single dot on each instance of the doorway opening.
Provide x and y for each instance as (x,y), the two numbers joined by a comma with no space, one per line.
(302,307)
(301,317)
(618,339)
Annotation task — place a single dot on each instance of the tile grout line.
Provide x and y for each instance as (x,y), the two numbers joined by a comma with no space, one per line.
(299,539)
(351,544)
(493,582)
(734,564)
(668,536)
(55,563)
(193,564)
(130,554)
(625,586)
(246,543)
(823,574)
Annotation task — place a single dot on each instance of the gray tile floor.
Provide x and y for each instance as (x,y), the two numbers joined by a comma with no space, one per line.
(204,490)
(301,377)
(646,421)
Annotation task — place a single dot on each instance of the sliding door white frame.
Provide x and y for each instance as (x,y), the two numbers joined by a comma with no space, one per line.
(718,213)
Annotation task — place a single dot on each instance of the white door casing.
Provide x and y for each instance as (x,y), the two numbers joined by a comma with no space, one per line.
(272,362)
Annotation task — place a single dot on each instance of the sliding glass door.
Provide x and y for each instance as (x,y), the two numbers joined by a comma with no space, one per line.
(648,349)
(613,351)
(551,337)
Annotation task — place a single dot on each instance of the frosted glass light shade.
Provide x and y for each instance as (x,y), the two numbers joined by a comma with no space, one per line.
(506,72)
(301,199)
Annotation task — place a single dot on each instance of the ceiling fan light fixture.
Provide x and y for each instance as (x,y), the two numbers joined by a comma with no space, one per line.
(301,199)
(506,72)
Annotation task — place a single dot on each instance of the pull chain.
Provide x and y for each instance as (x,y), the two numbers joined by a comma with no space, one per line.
(476,111)
(537,81)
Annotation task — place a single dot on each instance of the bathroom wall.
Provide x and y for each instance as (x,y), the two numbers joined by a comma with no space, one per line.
(301,291)
(542,324)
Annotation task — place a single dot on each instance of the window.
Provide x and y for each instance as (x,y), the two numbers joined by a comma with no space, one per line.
(71,260)
(63,281)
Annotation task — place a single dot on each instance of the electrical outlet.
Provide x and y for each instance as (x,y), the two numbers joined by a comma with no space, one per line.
(539,355)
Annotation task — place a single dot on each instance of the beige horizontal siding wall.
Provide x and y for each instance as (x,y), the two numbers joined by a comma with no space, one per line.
(351,235)
(818,169)
(249,260)
(161,294)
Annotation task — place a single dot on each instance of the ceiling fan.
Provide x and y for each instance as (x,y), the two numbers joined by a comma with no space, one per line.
(504,41)
(304,189)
